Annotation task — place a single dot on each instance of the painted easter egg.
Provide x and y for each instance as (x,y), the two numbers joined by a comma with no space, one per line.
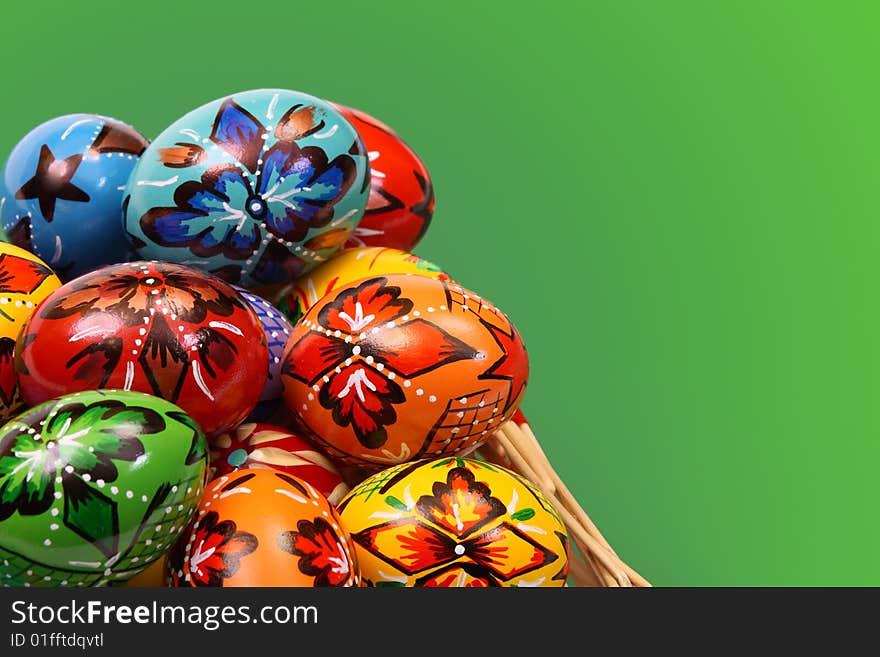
(347,266)
(95,486)
(401,367)
(258,527)
(455,523)
(401,201)
(62,189)
(277,329)
(268,446)
(25,281)
(257,187)
(172,331)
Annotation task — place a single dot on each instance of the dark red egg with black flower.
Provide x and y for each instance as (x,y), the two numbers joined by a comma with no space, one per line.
(401,202)
(400,367)
(263,528)
(164,329)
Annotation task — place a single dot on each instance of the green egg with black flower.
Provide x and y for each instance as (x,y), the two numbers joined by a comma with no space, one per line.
(95,486)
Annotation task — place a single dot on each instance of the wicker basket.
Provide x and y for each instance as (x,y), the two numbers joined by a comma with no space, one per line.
(593,561)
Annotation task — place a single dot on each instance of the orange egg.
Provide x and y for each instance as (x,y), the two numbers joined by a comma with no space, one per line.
(258,527)
(399,367)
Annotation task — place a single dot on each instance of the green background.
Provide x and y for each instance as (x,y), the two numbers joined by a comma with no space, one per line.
(676,202)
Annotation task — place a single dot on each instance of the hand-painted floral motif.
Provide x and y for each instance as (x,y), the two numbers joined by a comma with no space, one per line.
(446,530)
(168,330)
(218,548)
(401,366)
(359,373)
(254,192)
(260,527)
(319,550)
(78,444)
(94,486)
(444,523)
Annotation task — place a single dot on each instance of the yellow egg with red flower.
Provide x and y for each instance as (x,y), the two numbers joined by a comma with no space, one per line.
(455,523)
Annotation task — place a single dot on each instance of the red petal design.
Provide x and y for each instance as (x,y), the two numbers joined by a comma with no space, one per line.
(359,395)
(193,297)
(321,555)
(501,550)
(217,550)
(100,291)
(461,505)
(416,545)
(21,276)
(313,355)
(164,360)
(369,304)
(436,347)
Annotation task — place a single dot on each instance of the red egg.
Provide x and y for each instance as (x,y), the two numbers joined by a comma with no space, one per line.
(168,330)
(268,446)
(401,201)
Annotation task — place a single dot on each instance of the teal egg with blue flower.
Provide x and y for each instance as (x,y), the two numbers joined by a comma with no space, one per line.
(61,192)
(256,188)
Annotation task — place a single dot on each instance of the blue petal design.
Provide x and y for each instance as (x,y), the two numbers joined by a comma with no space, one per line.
(284,168)
(239,133)
(277,265)
(170,226)
(244,239)
(208,217)
(319,185)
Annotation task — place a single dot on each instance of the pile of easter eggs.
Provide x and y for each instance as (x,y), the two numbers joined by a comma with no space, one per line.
(221,363)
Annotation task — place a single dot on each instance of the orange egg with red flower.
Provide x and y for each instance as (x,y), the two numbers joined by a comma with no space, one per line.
(257,527)
(401,367)
(455,522)
(401,202)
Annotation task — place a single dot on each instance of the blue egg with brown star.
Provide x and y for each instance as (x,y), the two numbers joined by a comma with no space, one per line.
(61,192)
(257,188)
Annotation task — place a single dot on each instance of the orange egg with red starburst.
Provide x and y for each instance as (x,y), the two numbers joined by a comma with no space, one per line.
(400,367)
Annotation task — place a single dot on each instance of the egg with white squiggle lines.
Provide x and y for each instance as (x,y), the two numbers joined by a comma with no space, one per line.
(267,446)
